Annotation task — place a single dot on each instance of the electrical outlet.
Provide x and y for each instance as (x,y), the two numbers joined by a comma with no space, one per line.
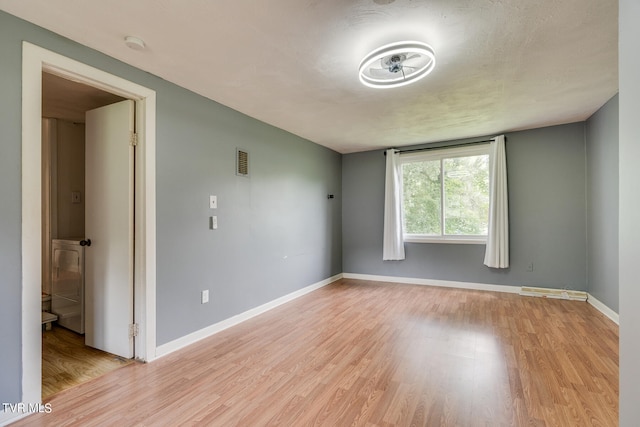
(213,222)
(204,297)
(530,267)
(75,197)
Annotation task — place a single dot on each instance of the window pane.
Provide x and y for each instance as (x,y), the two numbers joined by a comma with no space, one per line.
(466,189)
(421,197)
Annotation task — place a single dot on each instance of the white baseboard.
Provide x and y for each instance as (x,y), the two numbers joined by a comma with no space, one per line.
(602,308)
(7,418)
(196,336)
(474,286)
(431,282)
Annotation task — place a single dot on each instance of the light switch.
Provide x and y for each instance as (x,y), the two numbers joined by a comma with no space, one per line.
(213,202)
(204,296)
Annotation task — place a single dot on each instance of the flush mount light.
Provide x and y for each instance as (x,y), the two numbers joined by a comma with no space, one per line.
(397,64)
(134,43)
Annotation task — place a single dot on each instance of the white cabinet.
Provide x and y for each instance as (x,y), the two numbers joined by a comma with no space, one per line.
(67,283)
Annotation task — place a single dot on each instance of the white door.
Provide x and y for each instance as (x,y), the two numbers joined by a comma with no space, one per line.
(109,192)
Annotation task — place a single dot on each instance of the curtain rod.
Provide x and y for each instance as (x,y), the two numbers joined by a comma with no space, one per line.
(440,147)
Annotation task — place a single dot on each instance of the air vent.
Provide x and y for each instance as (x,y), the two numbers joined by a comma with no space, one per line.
(242,162)
(554,293)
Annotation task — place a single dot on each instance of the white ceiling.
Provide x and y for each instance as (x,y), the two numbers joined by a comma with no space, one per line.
(502,65)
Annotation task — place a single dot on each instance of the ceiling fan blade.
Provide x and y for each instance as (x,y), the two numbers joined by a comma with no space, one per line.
(415,60)
(379,72)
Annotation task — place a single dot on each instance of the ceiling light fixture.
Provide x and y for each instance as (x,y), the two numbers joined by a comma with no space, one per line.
(396,64)
(134,43)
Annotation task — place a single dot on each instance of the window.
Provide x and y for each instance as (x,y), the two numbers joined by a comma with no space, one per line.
(445,195)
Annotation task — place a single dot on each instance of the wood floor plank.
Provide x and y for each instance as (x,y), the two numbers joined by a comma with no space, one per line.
(67,362)
(373,354)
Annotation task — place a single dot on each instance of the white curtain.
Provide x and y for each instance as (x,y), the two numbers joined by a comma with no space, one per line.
(393,244)
(497,251)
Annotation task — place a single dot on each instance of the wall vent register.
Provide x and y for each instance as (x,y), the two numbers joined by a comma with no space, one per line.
(242,162)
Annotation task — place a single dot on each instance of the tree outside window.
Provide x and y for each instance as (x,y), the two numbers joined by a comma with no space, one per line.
(446,194)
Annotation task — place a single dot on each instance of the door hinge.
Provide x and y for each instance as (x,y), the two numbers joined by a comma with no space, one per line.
(134,330)
(133,141)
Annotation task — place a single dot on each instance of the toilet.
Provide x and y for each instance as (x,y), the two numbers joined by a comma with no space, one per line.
(47,317)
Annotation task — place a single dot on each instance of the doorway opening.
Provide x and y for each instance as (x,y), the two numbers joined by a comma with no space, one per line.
(67,359)
(37,61)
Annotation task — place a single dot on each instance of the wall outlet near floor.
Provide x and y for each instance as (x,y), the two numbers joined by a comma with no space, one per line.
(204,297)
(530,267)
(76,197)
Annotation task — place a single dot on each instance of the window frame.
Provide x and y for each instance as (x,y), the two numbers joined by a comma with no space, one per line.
(439,154)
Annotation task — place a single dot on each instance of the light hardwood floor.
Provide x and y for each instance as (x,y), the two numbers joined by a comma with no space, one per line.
(371,354)
(67,362)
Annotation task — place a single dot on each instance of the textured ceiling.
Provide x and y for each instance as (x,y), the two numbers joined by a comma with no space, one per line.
(502,65)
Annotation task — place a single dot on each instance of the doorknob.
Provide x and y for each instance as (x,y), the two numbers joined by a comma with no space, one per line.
(85,242)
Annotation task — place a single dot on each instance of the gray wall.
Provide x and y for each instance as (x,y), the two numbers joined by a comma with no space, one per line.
(629,226)
(277,233)
(546,174)
(10,210)
(602,204)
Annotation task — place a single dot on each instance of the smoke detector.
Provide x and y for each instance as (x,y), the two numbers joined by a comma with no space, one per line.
(134,43)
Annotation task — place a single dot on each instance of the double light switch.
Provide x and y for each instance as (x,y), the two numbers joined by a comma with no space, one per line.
(213,220)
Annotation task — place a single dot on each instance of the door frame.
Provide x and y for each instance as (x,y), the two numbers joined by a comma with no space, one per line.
(35,61)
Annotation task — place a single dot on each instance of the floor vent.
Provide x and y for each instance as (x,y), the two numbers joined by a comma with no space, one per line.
(242,162)
(554,293)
